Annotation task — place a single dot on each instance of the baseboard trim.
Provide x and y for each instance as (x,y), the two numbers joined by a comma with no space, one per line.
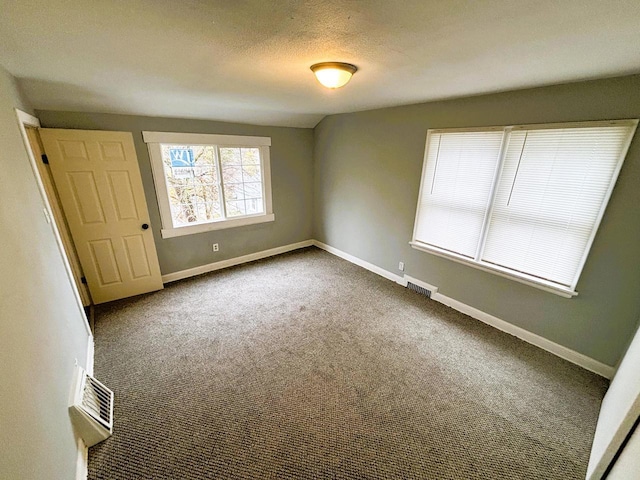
(191,272)
(572,356)
(90,354)
(366,265)
(82,462)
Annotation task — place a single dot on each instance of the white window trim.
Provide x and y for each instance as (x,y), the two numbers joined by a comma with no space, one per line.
(548,286)
(206,139)
(154,141)
(500,271)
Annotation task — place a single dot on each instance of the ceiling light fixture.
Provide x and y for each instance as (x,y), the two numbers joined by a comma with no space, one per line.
(333,74)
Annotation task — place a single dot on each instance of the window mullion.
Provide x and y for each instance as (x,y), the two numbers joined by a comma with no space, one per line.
(223,204)
(492,196)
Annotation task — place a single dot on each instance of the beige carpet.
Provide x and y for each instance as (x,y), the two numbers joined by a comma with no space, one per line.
(306,366)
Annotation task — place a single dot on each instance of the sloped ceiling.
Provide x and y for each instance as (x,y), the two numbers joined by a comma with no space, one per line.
(248,60)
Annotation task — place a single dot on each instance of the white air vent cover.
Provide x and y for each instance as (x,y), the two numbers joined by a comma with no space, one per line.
(91,408)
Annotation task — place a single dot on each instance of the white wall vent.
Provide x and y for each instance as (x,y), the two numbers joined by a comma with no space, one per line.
(91,408)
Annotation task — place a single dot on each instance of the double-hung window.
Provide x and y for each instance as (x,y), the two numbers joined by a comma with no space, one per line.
(524,202)
(209,182)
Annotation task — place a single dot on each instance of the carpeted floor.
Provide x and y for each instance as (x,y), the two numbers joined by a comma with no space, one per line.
(306,366)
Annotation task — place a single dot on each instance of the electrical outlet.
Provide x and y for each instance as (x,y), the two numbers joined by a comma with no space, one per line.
(216,247)
(401,266)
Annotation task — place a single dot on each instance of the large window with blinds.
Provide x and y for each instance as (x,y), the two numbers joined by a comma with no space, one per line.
(522,201)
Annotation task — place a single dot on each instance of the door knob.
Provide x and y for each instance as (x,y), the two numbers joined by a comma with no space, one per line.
(145,226)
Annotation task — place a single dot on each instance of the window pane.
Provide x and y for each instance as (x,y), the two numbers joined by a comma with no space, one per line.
(254,205)
(236,208)
(232,174)
(212,211)
(242,178)
(460,169)
(251,173)
(192,183)
(250,156)
(252,190)
(233,191)
(230,156)
(553,185)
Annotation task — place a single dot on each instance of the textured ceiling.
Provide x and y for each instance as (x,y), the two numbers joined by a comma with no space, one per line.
(248,60)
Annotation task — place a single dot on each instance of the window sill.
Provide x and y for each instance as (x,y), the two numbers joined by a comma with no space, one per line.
(547,286)
(207,227)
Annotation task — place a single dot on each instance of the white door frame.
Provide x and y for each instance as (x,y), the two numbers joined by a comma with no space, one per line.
(25,120)
(619,414)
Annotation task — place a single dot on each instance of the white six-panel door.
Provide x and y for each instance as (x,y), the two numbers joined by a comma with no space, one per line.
(98,180)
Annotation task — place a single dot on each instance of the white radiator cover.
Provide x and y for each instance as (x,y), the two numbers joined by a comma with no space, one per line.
(91,408)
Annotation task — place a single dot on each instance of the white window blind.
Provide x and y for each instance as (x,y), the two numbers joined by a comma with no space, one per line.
(525,201)
(553,185)
(456,186)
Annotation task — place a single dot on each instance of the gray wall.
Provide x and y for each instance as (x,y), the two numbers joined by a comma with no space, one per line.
(291,180)
(361,183)
(366,181)
(41,327)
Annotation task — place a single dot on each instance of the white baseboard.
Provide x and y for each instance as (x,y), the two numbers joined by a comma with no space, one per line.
(90,355)
(369,266)
(529,337)
(172,277)
(82,463)
(82,460)
(572,356)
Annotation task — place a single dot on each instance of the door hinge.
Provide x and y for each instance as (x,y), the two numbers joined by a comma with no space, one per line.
(45,159)
(83,280)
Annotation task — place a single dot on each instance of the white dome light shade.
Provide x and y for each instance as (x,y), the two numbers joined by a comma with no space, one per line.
(333,74)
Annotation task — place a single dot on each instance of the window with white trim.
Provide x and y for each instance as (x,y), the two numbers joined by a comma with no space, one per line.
(208,182)
(524,202)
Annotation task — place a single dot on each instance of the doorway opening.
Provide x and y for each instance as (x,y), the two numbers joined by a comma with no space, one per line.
(29,126)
